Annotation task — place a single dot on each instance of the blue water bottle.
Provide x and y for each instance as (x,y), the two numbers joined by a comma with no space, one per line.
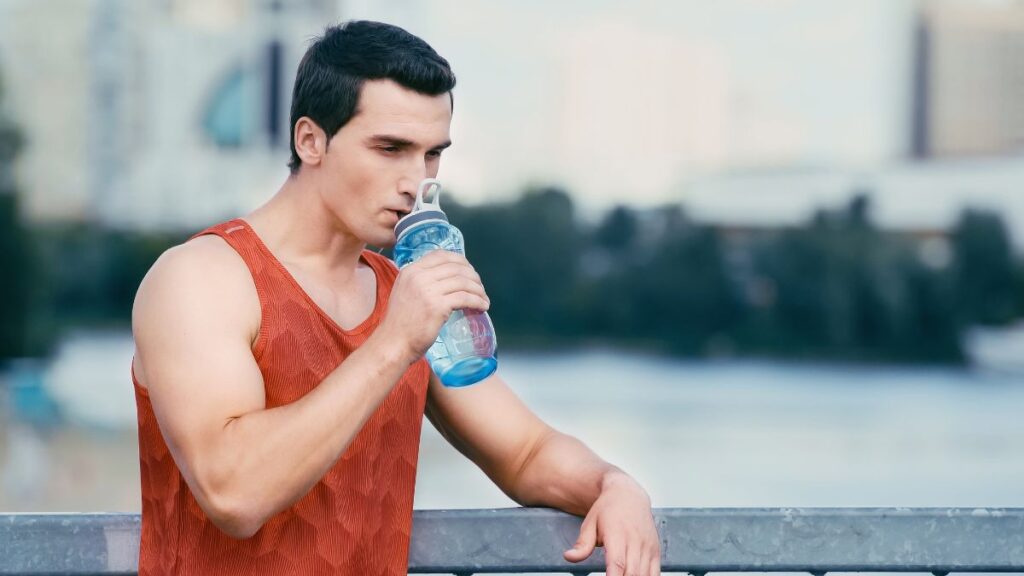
(465,350)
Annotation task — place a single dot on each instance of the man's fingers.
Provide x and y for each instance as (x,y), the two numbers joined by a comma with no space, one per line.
(615,560)
(446,269)
(458,293)
(655,556)
(584,546)
(443,272)
(439,257)
(463,300)
(655,569)
(636,559)
(643,565)
(459,284)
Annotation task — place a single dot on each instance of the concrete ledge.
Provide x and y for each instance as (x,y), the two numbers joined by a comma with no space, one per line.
(526,540)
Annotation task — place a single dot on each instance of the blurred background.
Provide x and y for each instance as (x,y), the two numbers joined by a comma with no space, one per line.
(758,253)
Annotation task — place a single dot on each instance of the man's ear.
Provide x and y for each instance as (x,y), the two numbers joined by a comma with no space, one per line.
(310,141)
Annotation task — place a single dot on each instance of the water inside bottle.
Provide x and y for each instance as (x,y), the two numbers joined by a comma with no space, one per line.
(463,352)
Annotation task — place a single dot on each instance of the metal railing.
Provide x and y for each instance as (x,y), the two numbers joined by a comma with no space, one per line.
(816,540)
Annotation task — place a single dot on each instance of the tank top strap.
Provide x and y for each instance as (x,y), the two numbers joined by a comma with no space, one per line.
(240,236)
(271,284)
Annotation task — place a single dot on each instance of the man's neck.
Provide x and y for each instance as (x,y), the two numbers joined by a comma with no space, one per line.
(301,231)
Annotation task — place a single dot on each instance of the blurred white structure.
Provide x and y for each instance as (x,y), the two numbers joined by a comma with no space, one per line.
(911,196)
(969,89)
(630,102)
(158,113)
(43,47)
(153,114)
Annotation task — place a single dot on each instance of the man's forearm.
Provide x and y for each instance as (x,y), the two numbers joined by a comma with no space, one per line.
(564,473)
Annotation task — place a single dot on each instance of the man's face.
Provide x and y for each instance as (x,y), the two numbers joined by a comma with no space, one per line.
(375,162)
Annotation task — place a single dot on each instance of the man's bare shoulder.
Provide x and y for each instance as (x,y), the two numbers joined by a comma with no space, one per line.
(204,276)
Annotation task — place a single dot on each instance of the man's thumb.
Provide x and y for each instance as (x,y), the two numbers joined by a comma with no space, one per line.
(584,546)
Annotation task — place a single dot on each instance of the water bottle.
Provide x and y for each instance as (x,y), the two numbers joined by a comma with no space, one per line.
(465,350)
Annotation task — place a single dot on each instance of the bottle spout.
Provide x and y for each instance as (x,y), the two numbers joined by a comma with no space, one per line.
(423,211)
(426,186)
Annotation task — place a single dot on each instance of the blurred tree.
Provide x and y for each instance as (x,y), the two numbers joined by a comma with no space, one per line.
(663,283)
(682,294)
(837,287)
(617,230)
(15,248)
(526,253)
(845,289)
(983,259)
(1018,289)
(93,272)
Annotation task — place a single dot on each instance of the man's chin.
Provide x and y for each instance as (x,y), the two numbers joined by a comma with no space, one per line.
(382,238)
(387,241)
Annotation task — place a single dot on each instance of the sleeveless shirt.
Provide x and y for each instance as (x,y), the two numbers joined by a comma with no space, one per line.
(357,519)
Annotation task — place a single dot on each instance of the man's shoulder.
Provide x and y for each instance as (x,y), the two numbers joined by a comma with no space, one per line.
(206,257)
(203,272)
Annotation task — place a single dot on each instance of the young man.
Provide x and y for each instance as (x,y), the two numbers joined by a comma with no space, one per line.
(279,369)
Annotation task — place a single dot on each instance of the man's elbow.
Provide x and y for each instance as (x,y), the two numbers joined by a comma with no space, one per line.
(525,481)
(232,515)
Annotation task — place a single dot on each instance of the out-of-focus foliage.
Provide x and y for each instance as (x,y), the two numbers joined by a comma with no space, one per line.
(836,287)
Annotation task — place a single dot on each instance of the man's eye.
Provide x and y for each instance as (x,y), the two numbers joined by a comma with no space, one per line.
(434,154)
(389,149)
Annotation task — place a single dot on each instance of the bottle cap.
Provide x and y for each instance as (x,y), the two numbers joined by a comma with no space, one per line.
(423,211)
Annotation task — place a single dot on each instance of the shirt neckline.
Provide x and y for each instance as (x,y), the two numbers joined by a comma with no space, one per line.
(327,318)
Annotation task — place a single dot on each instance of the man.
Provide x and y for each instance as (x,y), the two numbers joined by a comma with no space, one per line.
(279,368)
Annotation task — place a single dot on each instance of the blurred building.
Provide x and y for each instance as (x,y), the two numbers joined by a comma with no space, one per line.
(49,107)
(969,78)
(631,102)
(652,105)
(173,113)
(911,197)
(156,114)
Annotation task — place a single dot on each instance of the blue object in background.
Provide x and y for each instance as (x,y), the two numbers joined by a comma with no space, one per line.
(465,351)
(29,400)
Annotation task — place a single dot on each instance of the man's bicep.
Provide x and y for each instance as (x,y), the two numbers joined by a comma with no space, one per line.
(194,355)
(489,424)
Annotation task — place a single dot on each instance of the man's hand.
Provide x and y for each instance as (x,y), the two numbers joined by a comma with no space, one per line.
(621,521)
(425,294)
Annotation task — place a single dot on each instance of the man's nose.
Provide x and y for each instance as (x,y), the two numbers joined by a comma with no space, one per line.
(410,181)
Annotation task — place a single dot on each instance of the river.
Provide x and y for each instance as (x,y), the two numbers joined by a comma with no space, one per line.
(695,433)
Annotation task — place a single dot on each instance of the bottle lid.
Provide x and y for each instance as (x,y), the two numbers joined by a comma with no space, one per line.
(423,211)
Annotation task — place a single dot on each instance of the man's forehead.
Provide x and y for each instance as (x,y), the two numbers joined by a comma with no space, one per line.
(387,100)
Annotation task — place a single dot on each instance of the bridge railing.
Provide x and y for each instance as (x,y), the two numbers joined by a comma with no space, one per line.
(522,540)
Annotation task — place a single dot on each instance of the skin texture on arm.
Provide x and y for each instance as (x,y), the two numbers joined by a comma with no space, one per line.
(195,320)
(536,465)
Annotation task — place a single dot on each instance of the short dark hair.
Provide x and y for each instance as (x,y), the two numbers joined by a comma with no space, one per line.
(331,74)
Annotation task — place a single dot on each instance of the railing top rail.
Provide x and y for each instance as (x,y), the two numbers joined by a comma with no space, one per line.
(937,540)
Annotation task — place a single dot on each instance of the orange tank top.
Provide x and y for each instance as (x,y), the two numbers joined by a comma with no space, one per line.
(357,519)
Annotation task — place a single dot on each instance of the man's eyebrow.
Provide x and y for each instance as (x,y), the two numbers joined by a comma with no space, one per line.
(403,142)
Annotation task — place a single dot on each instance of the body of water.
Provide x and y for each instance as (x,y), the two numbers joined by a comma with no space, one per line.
(729,433)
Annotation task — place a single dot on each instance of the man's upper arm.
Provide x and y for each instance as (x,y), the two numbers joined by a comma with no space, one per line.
(194,319)
(490,425)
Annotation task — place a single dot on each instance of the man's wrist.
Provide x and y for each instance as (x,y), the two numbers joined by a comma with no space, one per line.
(391,350)
(614,478)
